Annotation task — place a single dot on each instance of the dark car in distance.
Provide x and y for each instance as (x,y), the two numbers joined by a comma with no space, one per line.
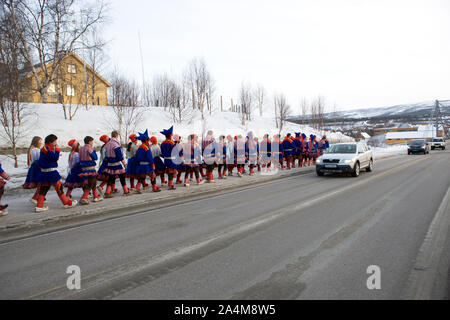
(418,146)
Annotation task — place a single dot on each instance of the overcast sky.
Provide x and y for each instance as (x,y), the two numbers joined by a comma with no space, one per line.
(356,53)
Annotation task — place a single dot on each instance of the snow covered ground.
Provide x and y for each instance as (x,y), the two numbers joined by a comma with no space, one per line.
(383,152)
(96,121)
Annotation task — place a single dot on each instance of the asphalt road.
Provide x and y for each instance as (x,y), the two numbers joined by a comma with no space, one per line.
(303,237)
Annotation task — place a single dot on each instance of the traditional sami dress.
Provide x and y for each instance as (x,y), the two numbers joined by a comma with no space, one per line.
(239,152)
(3,176)
(88,158)
(169,159)
(131,164)
(73,179)
(32,179)
(288,147)
(114,158)
(251,151)
(277,150)
(311,148)
(144,161)
(229,155)
(48,164)
(102,176)
(160,167)
(192,154)
(210,149)
(265,150)
(179,162)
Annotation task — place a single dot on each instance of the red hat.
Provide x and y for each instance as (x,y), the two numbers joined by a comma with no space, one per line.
(73,143)
(153,140)
(104,138)
(132,136)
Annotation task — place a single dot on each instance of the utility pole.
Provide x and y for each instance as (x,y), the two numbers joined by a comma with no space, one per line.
(142,65)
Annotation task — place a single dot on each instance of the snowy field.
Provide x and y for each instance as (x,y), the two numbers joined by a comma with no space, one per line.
(49,118)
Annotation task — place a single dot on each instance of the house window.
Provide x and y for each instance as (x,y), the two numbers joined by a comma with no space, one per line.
(70,91)
(71,68)
(51,88)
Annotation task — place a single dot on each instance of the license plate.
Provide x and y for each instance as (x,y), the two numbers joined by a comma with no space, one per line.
(330,166)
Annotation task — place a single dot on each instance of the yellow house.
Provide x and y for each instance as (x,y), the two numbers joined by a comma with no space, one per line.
(69,84)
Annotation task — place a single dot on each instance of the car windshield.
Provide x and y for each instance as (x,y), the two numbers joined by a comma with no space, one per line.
(342,148)
(437,140)
(417,142)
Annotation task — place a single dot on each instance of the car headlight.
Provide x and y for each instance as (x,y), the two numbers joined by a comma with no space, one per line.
(319,160)
(348,161)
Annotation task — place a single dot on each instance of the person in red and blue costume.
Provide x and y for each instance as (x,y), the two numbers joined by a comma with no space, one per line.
(288,150)
(222,158)
(323,145)
(32,180)
(312,148)
(265,152)
(73,180)
(277,151)
(160,168)
(88,158)
(251,152)
(3,176)
(304,142)
(131,164)
(209,149)
(115,165)
(102,176)
(178,149)
(170,161)
(298,149)
(192,156)
(145,166)
(49,175)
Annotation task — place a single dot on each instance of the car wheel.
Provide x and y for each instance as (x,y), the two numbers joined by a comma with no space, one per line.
(370,167)
(409,152)
(356,170)
(319,173)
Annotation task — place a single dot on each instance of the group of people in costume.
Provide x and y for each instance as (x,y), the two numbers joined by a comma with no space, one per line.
(145,158)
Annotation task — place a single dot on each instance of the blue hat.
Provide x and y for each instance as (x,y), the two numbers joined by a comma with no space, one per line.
(167,132)
(143,136)
(250,134)
(303,136)
(297,134)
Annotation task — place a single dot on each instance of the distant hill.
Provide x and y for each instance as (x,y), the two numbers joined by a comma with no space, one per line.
(415,110)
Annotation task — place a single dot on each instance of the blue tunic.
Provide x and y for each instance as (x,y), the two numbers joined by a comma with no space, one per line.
(48,164)
(144,160)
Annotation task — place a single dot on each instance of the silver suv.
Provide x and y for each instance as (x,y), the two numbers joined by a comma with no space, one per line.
(345,157)
(438,143)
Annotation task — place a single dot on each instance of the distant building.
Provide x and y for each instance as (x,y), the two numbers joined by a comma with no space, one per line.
(426,132)
(403,127)
(69,85)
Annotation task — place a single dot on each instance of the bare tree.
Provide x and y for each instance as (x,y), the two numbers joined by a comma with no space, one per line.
(282,111)
(320,103)
(201,85)
(304,107)
(94,54)
(246,100)
(260,95)
(13,114)
(125,97)
(49,29)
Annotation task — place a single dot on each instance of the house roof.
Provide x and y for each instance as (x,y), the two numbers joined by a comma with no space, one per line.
(38,67)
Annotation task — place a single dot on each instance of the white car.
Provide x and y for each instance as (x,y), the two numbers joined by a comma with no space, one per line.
(345,158)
